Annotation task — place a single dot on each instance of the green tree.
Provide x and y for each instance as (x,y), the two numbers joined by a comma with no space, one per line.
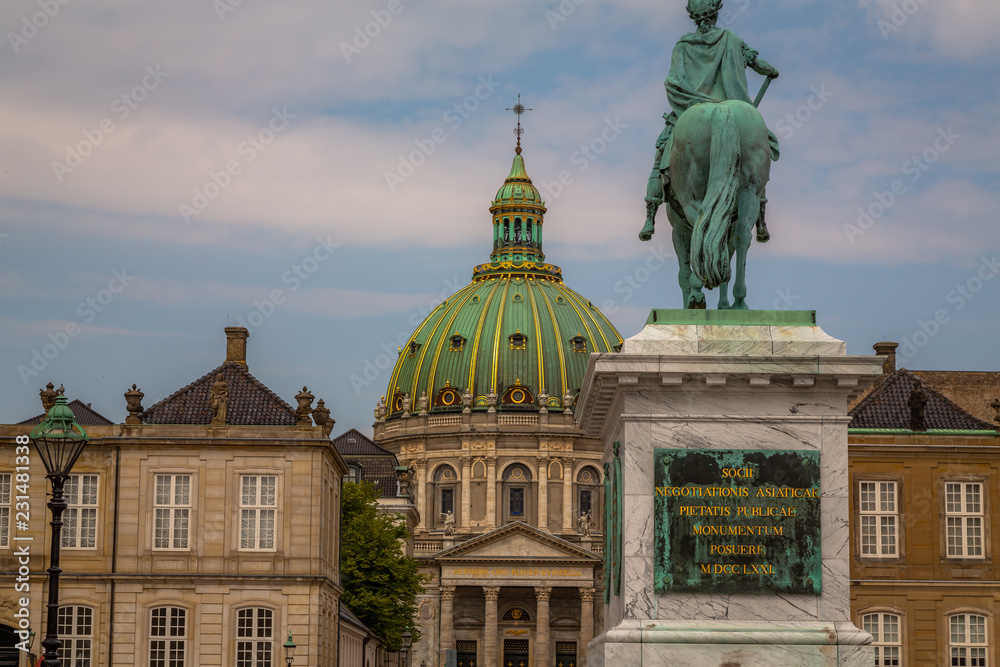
(380,582)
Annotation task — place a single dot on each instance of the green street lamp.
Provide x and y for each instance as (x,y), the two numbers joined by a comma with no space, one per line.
(289,649)
(407,639)
(59,441)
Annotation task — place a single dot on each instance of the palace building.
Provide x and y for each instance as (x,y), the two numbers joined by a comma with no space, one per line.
(202,531)
(925,491)
(507,488)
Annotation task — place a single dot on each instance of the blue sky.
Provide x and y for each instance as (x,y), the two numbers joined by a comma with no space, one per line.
(171,168)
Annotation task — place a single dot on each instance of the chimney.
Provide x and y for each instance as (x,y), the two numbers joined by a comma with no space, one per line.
(236,345)
(886,349)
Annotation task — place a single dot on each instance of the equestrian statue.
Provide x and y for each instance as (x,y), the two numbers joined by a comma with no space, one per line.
(713,158)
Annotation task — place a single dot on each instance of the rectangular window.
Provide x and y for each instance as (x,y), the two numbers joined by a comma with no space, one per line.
(447,501)
(968,641)
(79,529)
(517,501)
(6,479)
(585,503)
(168,637)
(258,506)
(172,508)
(75,627)
(884,629)
(964,519)
(254,637)
(878,519)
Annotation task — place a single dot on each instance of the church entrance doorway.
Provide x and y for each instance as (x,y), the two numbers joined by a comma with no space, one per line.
(515,653)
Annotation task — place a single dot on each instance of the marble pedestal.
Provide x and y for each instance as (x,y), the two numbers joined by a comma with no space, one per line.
(726,380)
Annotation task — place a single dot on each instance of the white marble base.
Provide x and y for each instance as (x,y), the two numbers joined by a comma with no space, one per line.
(699,644)
(711,386)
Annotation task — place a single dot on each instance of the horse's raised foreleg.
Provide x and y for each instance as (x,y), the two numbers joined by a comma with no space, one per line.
(749,213)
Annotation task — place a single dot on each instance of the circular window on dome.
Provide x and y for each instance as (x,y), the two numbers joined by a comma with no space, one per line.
(518,395)
(518,298)
(448,397)
(561,301)
(397,402)
(475,298)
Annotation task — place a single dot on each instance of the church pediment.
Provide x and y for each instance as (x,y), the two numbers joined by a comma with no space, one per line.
(517,542)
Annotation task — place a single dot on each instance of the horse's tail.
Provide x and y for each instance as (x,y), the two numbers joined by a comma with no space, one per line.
(710,240)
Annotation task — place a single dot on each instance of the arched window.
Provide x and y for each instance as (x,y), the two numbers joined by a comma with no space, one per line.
(445,487)
(885,631)
(579,343)
(254,637)
(75,626)
(517,493)
(168,628)
(588,497)
(517,231)
(968,644)
(516,614)
(506,231)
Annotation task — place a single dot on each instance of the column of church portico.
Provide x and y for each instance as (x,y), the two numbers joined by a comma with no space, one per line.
(491,491)
(567,466)
(490,648)
(542,594)
(543,492)
(447,621)
(466,490)
(586,621)
(422,507)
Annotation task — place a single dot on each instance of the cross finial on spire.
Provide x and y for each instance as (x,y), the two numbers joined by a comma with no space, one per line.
(518,109)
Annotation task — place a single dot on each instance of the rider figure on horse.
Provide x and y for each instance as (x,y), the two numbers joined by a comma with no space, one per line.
(706,66)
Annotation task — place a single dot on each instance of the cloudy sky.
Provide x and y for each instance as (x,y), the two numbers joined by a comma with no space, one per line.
(321,172)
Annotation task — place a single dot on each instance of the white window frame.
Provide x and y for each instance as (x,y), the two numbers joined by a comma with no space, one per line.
(174,510)
(965,519)
(168,639)
(255,637)
(886,629)
(968,647)
(6,496)
(257,507)
(75,629)
(79,529)
(878,518)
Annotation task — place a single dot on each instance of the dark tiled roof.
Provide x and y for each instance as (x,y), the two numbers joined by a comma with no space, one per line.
(887,406)
(378,465)
(973,391)
(250,402)
(355,443)
(83,413)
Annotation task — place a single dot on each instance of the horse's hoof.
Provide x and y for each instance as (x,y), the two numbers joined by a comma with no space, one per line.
(763,236)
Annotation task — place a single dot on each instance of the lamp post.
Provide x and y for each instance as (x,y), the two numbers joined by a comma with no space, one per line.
(289,649)
(407,639)
(59,441)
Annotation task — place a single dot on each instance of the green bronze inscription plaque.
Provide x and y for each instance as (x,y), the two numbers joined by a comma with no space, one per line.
(737,520)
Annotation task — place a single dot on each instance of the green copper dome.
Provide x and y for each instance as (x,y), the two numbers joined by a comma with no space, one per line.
(512,336)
